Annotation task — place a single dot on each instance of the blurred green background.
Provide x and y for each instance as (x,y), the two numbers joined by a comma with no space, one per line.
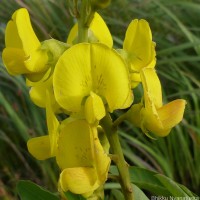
(175,26)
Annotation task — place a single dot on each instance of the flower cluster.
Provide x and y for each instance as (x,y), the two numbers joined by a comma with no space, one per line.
(85,81)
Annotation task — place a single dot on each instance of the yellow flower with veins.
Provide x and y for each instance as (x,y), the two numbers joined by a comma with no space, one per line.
(22,54)
(82,159)
(153,116)
(138,49)
(92,77)
(98,32)
(78,152)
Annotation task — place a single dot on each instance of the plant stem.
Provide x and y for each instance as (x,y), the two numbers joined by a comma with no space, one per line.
(119,120)
(82,32)
(116,149)
(82,22)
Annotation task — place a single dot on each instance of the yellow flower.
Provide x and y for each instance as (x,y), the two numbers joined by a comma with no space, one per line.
(81,157)
(98,32)
(138,48)
(154,116)
(22,54)
(91,76)
(78,152)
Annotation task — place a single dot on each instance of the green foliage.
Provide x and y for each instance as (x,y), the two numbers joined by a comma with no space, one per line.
(153,182)
(31,191)
(138,194)
(176,31)
(171,186)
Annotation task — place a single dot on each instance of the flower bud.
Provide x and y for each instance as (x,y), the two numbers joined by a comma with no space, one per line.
(97,4)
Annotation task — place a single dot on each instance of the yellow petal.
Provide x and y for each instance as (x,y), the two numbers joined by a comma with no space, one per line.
(135,79)
(73,34)
(101,31)
(84,180)
(78,180)
(72,77)
(13,60)
(161,121)
(152,88)
(75,145)
(128,101)
(12,30)
(94,108)
(52,123)
(151,122)
(98,28)
(172,113)
(38,94)
(102,161)
(36,61)
(20,34)
(139,46)
(110,77)
(39,147)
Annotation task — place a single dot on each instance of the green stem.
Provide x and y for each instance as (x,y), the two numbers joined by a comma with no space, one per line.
(82,32)
(119,120)
(83,25)
(122,166)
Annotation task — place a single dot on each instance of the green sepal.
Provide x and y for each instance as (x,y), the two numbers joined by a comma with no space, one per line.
(54,49)
(70,196)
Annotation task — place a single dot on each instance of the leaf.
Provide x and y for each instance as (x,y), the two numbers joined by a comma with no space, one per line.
(138,193)
(145,179)
(172,186)
(71,196)
(117,195)
(30,191)
(156,184)
(187,191)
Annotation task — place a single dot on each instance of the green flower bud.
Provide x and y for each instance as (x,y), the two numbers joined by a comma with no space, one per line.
(97,4)
(54,48)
